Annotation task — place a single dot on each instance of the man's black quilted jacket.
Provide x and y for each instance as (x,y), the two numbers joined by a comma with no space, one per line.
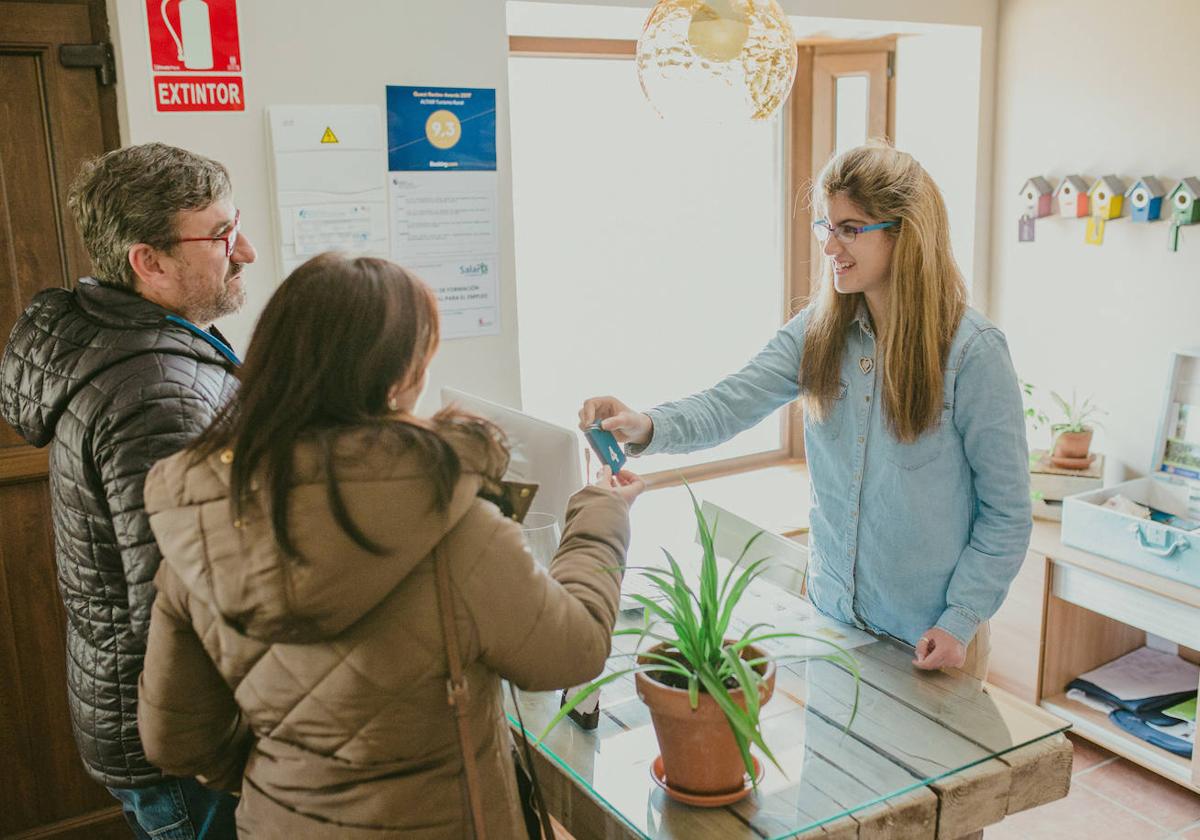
(101,376)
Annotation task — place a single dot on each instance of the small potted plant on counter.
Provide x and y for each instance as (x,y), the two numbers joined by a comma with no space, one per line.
(705,689)
(1070,437)
(1073,435)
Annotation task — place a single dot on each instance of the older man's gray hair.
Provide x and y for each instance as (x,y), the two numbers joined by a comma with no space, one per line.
(132,195)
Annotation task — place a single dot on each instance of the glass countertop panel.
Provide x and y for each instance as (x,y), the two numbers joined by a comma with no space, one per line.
(912,728)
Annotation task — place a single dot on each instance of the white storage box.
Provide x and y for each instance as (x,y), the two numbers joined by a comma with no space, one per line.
(1166,547)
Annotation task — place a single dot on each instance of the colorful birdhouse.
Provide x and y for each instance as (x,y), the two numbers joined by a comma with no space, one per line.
(1036,196)
(1145,199)
(1106,197)
(1072,195)
(1184,202)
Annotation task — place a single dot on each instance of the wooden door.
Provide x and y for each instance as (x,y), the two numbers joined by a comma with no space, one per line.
(853,95)
(50,121)
(822,99)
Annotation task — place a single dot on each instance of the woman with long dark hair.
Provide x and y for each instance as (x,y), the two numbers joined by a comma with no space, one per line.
(297,649)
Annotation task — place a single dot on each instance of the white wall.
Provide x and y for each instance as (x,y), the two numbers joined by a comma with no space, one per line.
(1095,88)
(938,138)
(938,76)
(300,52)
(309,52)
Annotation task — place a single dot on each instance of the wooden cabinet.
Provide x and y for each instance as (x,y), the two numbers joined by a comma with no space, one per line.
(1015,663)
(1095,610)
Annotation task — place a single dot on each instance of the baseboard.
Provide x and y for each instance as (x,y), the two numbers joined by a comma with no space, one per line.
(96,825)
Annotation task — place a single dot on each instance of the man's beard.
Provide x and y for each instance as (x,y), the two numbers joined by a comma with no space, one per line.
(226,302)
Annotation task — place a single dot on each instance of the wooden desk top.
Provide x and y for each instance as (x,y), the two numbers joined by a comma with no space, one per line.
(929,755)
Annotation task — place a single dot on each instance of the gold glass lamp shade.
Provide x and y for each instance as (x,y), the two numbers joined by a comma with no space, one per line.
(717,60)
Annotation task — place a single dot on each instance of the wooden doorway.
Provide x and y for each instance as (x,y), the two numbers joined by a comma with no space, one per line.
(819,101)
(52,117)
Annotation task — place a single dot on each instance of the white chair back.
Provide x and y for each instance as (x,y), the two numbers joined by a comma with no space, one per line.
(789,559)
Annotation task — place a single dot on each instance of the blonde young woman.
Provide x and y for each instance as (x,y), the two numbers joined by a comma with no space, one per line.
(913,422)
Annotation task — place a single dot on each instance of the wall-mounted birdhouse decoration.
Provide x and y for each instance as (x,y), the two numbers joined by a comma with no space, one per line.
(1104,200)
(1145,199)
(1184,203)
(1106,197)
(1036,196)
(1072,196)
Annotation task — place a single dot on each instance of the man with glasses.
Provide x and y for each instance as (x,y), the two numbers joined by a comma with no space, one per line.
(114,375)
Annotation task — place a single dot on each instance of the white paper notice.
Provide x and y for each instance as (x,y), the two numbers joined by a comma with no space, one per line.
(332,227)
(445,230)
(1144,673)
(329,186)
(443,192)
(467,292)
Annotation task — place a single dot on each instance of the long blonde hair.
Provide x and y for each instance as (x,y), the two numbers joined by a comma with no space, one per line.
(927,294)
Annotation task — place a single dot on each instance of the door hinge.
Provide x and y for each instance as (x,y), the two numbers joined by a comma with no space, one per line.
(891,64)
(99,56)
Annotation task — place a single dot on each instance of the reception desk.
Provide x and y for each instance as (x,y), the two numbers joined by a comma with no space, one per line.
(929,755)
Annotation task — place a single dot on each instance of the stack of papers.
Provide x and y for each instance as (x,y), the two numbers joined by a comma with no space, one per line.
(1149,694)
(1146,673)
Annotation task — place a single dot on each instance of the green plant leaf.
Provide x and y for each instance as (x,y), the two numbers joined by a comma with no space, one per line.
(735,595)
(745,722)
(592,688)
(733,568)
(1062,404)
(749,630)
(699,618)
(653,606)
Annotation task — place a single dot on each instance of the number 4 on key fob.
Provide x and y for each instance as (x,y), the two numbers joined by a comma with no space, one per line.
(605,445)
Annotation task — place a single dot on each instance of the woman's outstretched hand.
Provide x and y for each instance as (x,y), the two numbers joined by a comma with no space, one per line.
(938,649)
(628,485)
(627,425)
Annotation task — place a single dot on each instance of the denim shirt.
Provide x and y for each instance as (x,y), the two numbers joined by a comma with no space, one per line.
(904,536)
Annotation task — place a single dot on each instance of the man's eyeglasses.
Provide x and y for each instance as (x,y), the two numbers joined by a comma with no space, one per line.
(230,238)
(844,233)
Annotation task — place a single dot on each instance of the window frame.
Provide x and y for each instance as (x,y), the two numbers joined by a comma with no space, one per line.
(800,155)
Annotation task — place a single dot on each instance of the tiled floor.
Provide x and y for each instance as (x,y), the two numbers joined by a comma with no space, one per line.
(1110,798)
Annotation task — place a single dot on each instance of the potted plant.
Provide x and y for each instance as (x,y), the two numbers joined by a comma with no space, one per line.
(1071,437)
(705,688)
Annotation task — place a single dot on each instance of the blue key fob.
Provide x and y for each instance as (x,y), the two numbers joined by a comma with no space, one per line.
(606,447)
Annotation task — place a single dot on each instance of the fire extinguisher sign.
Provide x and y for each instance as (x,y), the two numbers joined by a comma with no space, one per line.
(196,43)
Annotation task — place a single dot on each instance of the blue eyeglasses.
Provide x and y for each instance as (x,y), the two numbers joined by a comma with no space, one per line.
(844,233)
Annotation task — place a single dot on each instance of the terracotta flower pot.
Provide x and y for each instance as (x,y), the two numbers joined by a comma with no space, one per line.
(699,753)
(1073,444)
